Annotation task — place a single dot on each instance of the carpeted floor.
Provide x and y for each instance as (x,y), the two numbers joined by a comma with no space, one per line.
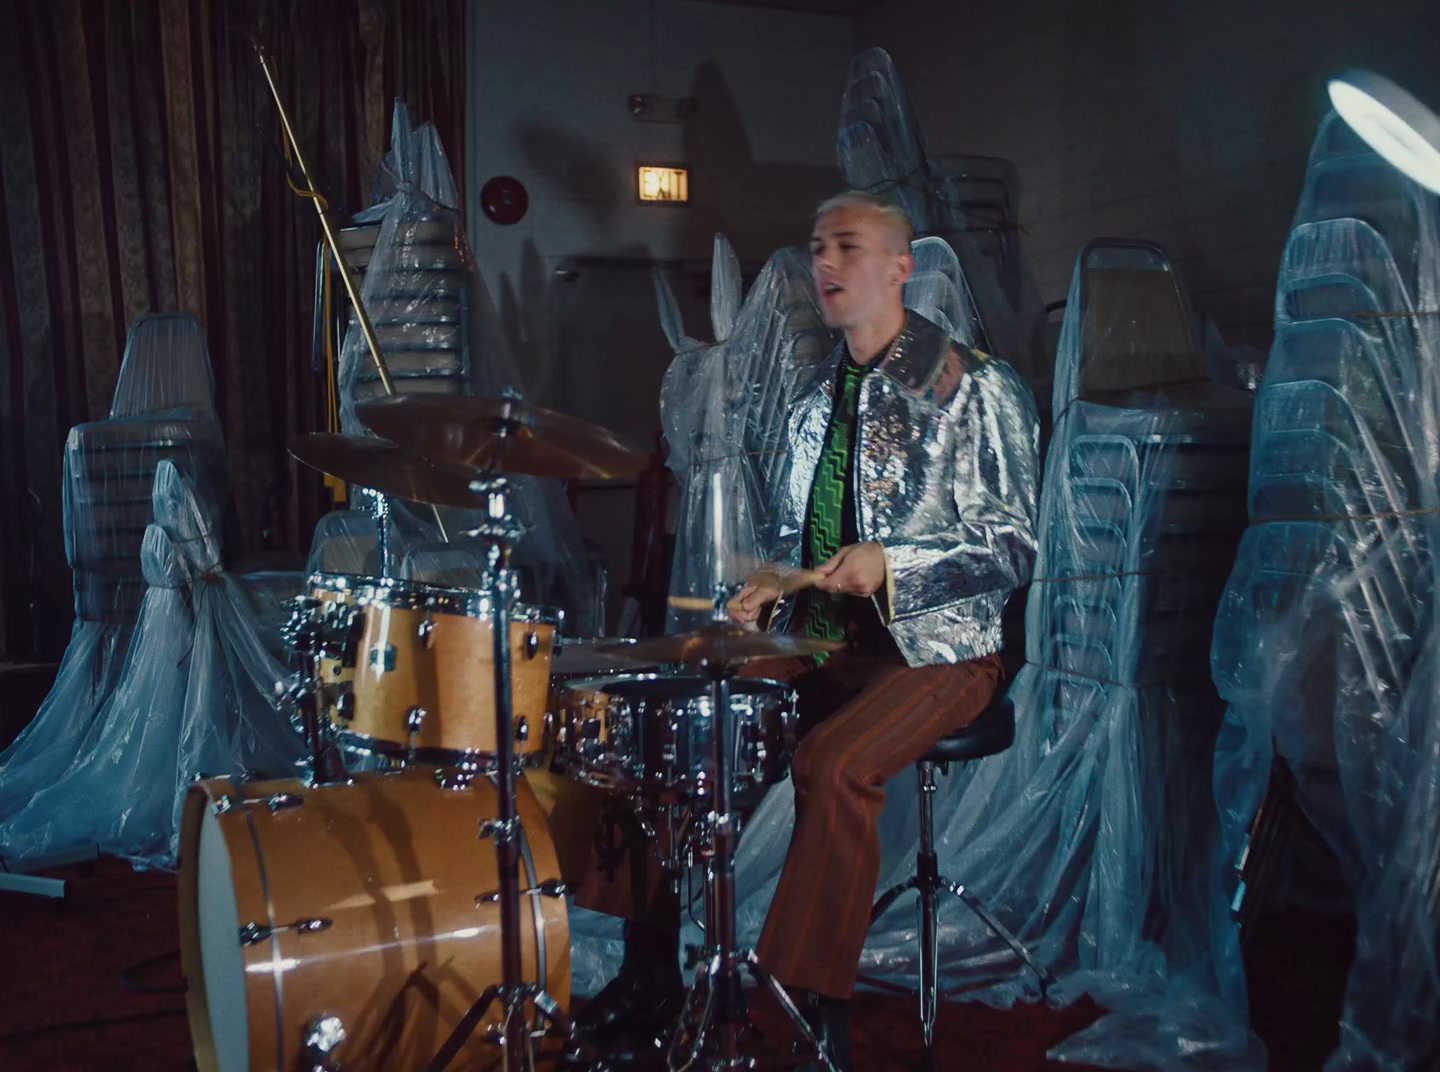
(93,983)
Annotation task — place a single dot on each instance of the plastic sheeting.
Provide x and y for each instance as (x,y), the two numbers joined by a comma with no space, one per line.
(970,201)
(165,370)
(196,697)
(724,407)
(427,303)
(109,474)
(1325,642)
(1091,837)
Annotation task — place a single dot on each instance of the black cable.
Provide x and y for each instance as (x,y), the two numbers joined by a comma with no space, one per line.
(142,988)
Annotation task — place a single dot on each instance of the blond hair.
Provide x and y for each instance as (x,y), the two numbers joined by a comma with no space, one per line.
(894,215)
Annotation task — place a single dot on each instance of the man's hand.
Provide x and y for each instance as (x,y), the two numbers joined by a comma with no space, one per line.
(857,569)
(761,587)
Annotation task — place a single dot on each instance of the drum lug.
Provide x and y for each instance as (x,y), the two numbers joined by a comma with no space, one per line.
(458,777)
(425,631)
(532,643)
(250,933)
(283,801)
(382,658)
(353,624)
(522,729)
(323,1036)
(222,805)
(345,706)
(414,719)
(552,887)
(494,828)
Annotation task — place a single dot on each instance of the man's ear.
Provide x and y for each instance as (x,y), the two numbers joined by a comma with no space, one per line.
(905,267)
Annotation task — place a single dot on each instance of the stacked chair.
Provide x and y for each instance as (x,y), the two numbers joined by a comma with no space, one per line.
(723,407)
(1142,507)
(434,325)
(969,202)
(139,710)
(1325,643)
(162,411)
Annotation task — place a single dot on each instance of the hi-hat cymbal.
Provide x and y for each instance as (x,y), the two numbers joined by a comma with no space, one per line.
(721,644)
(391,470)
(502,435)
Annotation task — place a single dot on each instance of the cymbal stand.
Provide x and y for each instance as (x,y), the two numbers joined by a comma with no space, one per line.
(723,1014)
(500,532)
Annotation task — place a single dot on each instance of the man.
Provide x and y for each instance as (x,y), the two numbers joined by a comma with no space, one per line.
(913,495)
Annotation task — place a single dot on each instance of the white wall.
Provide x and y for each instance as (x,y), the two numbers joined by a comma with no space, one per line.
(548,87)
(549,81)
(1184,122)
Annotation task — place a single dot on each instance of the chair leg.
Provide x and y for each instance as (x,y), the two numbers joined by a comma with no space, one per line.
(1001,931)
(929,968)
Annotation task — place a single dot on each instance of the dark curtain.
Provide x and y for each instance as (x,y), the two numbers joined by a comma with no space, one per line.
(141,169)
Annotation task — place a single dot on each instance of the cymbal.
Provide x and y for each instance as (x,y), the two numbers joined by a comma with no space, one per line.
(502,435)
(722,644)
(391,470)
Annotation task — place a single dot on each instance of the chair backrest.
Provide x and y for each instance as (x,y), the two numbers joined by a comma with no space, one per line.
(166,369)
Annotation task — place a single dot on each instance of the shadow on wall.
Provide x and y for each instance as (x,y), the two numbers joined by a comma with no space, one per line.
(593,346)
(1108,100)
(759,206)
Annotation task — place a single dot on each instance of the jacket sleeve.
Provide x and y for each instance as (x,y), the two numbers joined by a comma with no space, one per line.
(986,543)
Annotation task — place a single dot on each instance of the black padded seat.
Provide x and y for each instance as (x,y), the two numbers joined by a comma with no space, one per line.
(991,732)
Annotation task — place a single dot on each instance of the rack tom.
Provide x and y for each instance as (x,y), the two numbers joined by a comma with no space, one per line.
(424,674)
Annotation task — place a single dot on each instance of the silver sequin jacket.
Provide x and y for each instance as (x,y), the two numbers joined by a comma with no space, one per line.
(948,446)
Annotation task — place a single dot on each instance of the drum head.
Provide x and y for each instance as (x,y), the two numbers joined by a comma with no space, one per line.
(218,922)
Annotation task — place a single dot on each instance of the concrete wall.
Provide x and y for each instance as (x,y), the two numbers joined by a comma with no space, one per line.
(549,82)
(1187,123)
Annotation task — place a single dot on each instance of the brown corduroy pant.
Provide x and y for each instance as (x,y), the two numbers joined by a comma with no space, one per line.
(872,719)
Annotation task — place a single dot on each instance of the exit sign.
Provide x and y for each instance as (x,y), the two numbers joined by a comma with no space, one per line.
(662,184)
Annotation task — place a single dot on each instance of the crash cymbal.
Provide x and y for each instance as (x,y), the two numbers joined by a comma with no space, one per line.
(502,435)
(391,470)
(722,644)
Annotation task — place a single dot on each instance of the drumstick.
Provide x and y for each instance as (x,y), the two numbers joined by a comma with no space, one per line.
(785,579)
(691,603)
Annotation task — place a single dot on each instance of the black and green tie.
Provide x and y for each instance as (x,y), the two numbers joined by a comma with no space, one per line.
(824,611)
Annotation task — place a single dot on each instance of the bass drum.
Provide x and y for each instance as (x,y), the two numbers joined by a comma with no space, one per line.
(308,913)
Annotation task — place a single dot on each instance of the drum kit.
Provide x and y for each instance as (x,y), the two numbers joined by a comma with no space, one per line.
(349,919)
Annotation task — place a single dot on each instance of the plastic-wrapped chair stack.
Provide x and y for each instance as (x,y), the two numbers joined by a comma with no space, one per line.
(161,412)
(436,330)
(1092,835)
(345,541)
(196,697)
(970,202)
(1325,643)
(723,408)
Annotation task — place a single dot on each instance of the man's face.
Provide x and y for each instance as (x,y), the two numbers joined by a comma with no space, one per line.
(857,265)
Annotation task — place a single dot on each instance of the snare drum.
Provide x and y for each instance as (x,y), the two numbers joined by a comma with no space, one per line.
(425,677)
(654,732)
(359,906)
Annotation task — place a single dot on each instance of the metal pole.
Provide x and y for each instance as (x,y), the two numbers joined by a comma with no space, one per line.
(346,276)
(322,210)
